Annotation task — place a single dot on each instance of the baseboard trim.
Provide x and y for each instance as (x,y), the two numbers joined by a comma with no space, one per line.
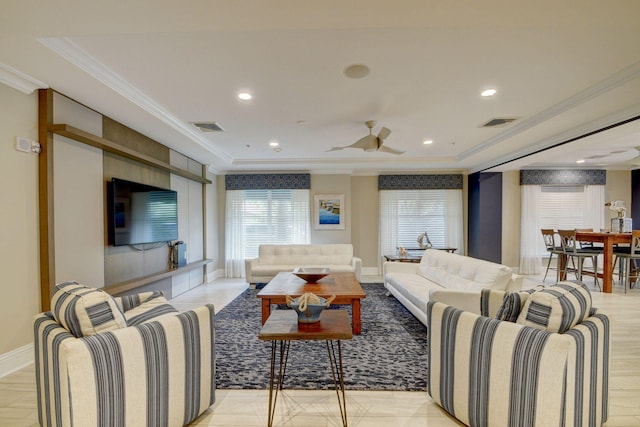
(16,359)
(369,271)
(215,274)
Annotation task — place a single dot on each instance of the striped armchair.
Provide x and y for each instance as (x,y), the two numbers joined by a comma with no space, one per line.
(489,372)
(155,371)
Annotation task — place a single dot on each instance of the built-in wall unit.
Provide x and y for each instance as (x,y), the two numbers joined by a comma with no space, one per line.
(82,151)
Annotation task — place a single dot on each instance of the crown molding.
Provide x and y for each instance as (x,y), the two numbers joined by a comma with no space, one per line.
(19,80)
(73,53)
(574,133)
(613,81)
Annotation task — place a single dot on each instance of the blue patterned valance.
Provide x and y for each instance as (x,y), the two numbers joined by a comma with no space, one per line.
(268,181)
(420,182)
(563,177)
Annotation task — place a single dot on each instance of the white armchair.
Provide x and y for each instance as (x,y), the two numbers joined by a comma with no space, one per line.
(489,372)
(159,372)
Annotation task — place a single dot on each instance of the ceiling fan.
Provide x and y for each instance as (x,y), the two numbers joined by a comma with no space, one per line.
(636,160)
(372,142)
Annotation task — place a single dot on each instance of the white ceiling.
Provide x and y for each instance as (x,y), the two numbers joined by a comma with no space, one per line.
(564,69)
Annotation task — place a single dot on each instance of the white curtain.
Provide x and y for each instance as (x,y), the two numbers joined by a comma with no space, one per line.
(594,207)
(301,225)
(234,234)
(530,261)
(454,222)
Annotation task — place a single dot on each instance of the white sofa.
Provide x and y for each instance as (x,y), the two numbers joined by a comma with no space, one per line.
(273,259)
(443,275)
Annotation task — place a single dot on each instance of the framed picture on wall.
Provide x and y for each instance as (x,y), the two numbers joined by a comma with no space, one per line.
(329,212)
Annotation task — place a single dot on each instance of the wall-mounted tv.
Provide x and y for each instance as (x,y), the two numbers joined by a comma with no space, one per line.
(140,213)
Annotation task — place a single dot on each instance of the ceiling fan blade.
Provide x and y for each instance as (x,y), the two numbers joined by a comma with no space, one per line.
(336,149)
(384,133)
(386,149)
(368,143)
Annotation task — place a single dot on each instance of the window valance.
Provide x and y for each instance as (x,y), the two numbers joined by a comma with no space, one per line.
(563,177)
(268,181)
(420,182)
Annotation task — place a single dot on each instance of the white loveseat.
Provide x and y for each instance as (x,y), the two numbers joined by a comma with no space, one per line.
(273,259)
(445,275)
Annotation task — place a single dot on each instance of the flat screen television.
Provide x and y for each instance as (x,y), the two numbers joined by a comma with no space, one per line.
(140,213)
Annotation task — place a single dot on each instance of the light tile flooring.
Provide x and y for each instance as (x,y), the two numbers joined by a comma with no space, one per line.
(364,408)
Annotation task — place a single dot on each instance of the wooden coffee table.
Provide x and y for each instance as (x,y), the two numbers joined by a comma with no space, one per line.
(282,327)
(344,286)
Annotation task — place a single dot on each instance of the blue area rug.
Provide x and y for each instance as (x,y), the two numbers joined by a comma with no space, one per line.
(390,354)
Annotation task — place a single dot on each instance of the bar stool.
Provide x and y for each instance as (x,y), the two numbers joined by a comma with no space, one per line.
(571,249)
(549,236)
(627,255)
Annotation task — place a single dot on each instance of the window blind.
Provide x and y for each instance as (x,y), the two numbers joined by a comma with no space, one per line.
(562,207)
(256,217)
(405,214)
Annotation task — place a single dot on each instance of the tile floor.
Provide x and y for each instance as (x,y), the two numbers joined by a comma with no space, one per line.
(364,408)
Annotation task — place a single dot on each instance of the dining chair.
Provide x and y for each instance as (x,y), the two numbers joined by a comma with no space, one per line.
(549,236)
(571,248)
(628,257)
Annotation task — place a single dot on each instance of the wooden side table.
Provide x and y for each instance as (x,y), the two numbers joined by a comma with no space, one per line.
(282,327)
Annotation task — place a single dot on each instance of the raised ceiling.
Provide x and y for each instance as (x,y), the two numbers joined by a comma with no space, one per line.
(563,69)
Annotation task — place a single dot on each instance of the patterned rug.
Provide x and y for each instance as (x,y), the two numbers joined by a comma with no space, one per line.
(390,354)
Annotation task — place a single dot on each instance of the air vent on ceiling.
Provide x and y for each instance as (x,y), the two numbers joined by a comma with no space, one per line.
(208,126)
(498,121)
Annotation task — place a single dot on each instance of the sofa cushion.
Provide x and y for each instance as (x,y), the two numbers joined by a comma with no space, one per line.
(151,309)
(85,311)
(557,308)
(272,270)
(413,287)
(455,271)
(300,255)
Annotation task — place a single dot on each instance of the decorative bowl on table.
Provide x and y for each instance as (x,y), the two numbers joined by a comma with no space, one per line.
(311,274)
(309,306)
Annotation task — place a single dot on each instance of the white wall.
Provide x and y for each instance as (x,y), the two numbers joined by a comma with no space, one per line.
(78,213)
(190,222)
(78,198)
(331,184)
(19,253)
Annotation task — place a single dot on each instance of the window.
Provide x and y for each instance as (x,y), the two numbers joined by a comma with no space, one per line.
(561,207)
(256,217)
(555,207)
(405,214)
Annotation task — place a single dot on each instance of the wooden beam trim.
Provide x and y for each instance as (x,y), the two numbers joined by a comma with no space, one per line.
(127,285)
(45,198)
(112,147)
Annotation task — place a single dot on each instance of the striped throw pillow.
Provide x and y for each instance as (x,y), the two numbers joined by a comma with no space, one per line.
(513,303)
(151,309)
(557,308)
(85,311)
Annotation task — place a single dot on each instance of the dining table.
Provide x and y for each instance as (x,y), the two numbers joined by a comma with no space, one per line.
(609,240)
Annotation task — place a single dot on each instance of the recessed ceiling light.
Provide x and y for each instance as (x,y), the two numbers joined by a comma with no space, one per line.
(580,161)
(274,143)
(488,92)
(427,141)
(356,71)
(245,96)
